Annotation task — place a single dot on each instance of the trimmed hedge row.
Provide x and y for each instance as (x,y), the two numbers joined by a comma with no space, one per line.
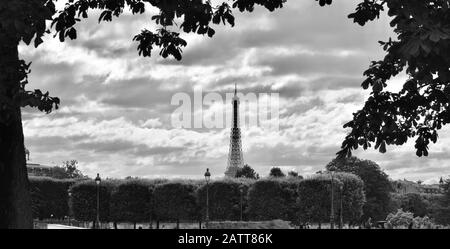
(273,198)
(314,202)
(49,197)
(225,199)
(84,200)
(289,199)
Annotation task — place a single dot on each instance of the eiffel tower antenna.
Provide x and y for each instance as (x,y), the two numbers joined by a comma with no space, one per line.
(235,156)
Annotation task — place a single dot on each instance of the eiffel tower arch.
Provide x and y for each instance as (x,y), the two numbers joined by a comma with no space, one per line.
(235,156)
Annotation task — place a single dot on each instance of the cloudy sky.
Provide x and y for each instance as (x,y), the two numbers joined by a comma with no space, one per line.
(115,115)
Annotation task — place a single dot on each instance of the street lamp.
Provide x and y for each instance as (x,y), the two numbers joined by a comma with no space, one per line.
(97,181)
(69,193)
(332,201)
(207,178)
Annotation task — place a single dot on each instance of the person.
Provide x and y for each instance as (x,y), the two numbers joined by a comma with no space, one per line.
(410,226)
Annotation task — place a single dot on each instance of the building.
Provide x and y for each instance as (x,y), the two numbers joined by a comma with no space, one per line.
(407,187)
(36,169)
(235,156)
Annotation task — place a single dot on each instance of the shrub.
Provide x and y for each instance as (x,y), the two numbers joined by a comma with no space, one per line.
(224,199)
(313,201)
(84,200)
(353,197)
(130,202)
(49,197)
(271,199)
(377,186)
(400,219)
(175,201)
(314,198)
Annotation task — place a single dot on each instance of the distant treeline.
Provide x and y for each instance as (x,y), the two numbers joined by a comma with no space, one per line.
(138,200)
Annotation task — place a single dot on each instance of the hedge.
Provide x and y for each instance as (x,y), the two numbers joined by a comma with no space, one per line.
(353,197)
(131,202)
(271,199)
(224,198)
(289,199)
(49,197)
(313,203)
(84,200)
(314,198)
(175,201)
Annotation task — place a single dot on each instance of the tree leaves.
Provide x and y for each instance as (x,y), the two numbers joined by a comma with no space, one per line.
(105,16)
(324,2)
(197,17)
(421,49)
(169,42)
(367,11)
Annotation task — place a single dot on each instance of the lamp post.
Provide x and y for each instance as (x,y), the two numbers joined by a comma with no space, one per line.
(69,204)
(332,201)
(97,181)
(241,190)
(207,178)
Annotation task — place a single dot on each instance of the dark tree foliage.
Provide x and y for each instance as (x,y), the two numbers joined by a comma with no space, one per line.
(414,203)
(421,49)
(314,198)
(272,199)
(49,197)
(224,199)
(353,197)
(175,201)
(276,172)
(84,200)
(130,202)
(313,203)
(247,172)
(377,186)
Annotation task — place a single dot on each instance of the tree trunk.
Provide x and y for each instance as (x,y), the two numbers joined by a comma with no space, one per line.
(15,201)
(134,225)
(157,224)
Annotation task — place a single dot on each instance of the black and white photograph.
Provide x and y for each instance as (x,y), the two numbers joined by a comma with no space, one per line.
(195,116)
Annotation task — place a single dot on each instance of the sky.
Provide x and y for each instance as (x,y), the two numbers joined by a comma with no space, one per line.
(115,113)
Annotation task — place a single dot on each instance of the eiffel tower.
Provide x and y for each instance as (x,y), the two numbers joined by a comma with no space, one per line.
(235,157)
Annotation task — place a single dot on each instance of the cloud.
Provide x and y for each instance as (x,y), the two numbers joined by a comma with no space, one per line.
(115,110)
